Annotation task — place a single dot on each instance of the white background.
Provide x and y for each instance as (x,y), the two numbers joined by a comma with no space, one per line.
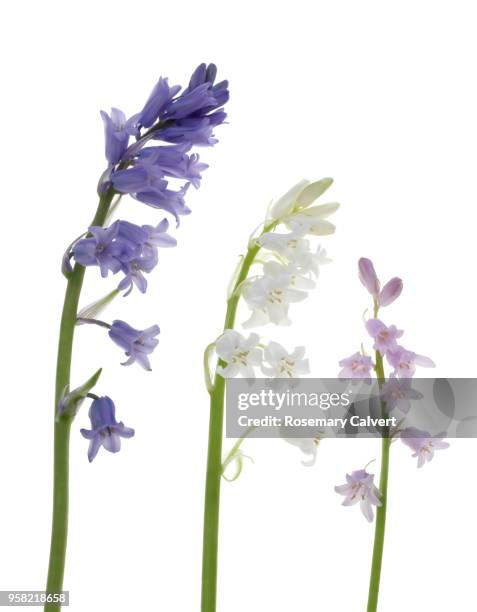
(379,95)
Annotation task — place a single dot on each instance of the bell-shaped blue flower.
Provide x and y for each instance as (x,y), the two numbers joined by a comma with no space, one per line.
(125,247)
(105,430)
(136,343)
(115,135)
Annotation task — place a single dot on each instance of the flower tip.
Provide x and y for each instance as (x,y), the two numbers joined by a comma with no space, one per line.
(312,191)
(391,291)
(286,203)
(211,72)
(365,263)
(368,276)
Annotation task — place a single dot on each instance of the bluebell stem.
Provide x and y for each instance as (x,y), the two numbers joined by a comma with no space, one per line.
(170,123)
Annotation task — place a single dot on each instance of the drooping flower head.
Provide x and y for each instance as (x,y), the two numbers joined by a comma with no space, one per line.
(405,362)
(181,121)
(360,488)
(156,168)
(126,247)
(308,446)
(170,116)
(105,430)
(290,266)
(295,250)
(101,249)
(357,366)
(269,296)
(423,444)
(399,394)
(385,338)
(136,343)
(240,354)
(279,363)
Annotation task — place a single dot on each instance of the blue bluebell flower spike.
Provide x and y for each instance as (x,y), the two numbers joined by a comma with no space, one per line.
(150,156)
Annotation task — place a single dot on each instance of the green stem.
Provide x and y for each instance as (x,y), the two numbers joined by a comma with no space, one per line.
(380,527)
(214,453)
(59,529)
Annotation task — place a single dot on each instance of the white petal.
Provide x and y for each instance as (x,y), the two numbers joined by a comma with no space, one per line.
(321,228)
(294,295)
(227,342)
(298,353)
(255,356)
(251,341)
(302,367)
(257,319)
(322,211)
(367,510)
(247,372)
(274,352)
(313,191)
(285,204)
(230,371)
(277,312)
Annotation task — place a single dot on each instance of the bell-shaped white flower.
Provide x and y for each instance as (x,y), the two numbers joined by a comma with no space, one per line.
(311,262)
(300,196)
(297,279)
(269,296)
(296,250)
(290,246)
(240,354)
(308,446)
(279,363)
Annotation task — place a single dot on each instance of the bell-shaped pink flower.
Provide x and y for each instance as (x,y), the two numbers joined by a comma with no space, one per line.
(423,444)
(404,362)
(384,337)
(360,488)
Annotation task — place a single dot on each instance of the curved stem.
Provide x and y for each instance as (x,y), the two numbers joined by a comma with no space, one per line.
(379,532)
(214,453)
(86,321)
(59,529)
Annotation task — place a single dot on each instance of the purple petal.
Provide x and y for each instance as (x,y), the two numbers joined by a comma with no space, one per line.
(390,292)
(112,443)
(368,277)
(94,447)
(124,432)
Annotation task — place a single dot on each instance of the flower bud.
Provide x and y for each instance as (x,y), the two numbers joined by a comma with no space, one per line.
(312,192)
(367,276)
(390,292)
